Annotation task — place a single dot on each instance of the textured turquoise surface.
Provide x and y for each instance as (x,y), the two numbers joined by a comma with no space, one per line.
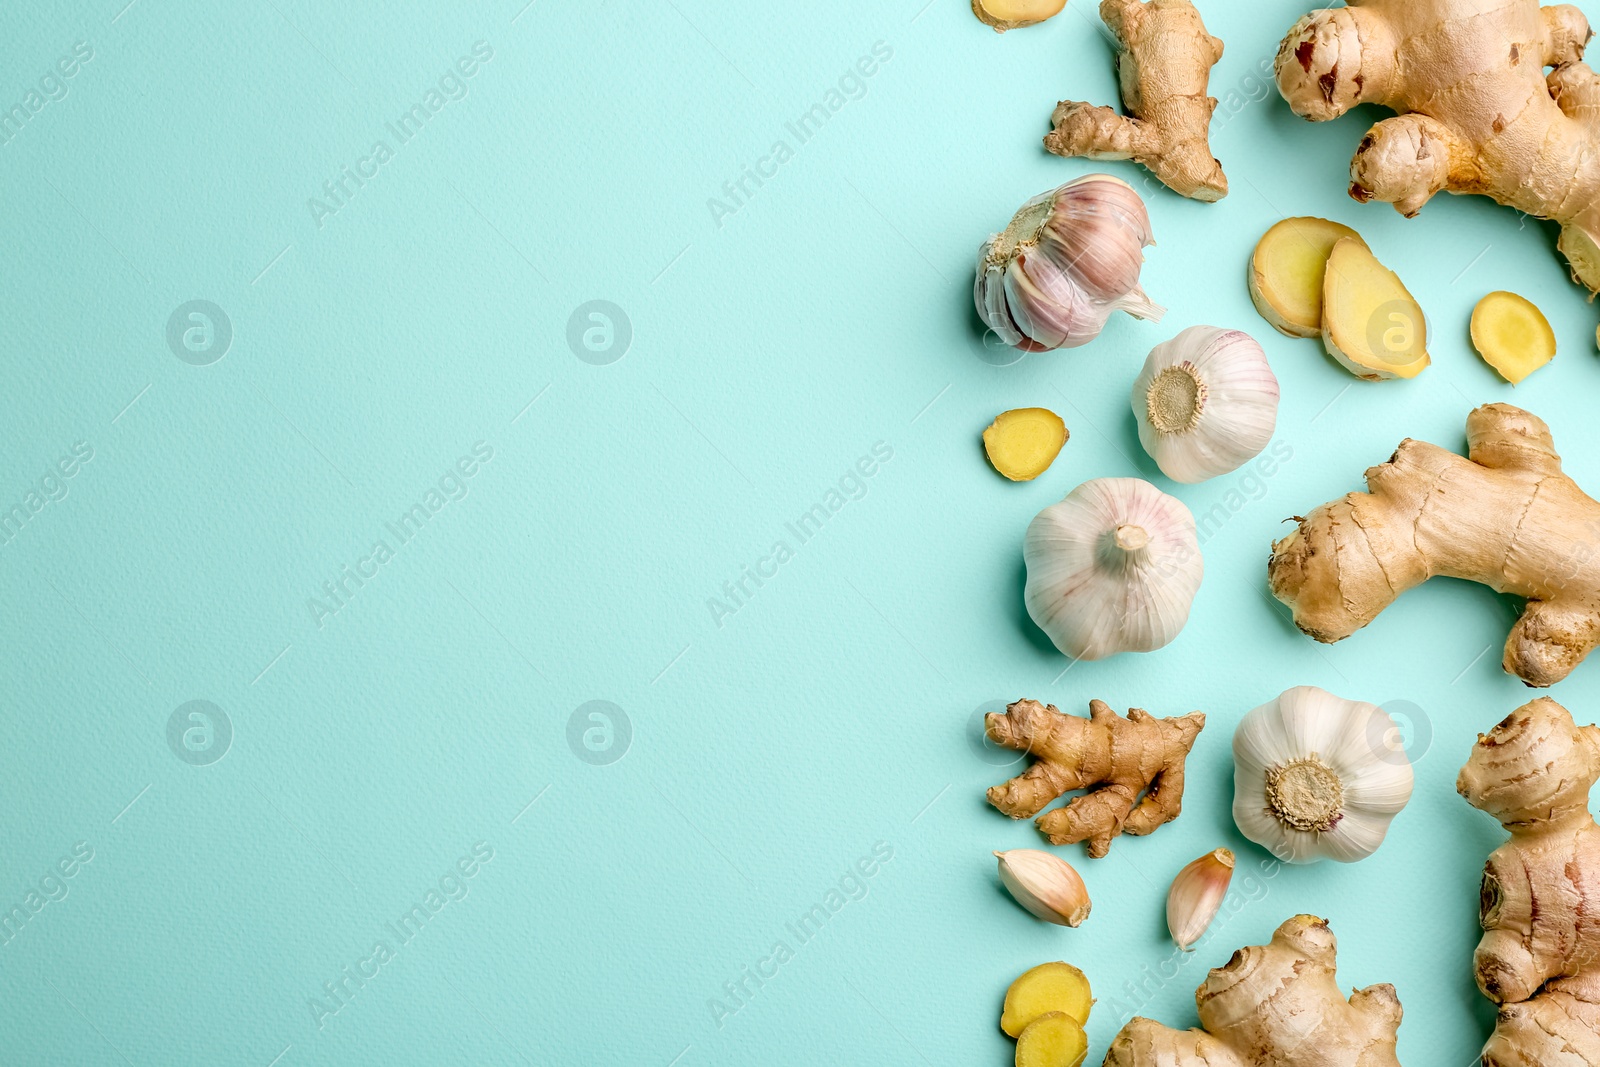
(428,728)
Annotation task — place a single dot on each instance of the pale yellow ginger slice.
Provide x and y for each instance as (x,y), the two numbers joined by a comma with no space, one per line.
(1022,443)
(1512,335)
(1006,15)
(1047,988)
(1054,1039)
(1287,269)
(1370,322)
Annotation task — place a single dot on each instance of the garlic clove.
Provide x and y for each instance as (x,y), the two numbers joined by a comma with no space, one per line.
(1045,885)
(1196,895)
(1206,402)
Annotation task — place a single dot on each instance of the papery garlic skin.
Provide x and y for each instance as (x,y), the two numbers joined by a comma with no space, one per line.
(1069,258)
(1196,895)
(1206,402)
(1045,885)
(1318,777)
(1112,568)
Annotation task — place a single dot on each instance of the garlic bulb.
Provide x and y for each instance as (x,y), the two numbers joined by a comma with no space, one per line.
(1112,568)
(1196,895)
(1068,260)
(1206,402)
(1046,885)
(1316,776)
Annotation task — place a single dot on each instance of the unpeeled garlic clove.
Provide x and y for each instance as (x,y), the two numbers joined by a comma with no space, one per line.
(1045,885)
(1196,894)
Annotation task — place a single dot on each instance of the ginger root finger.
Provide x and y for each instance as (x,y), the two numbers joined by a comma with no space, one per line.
(1505,517)
(1539,957)
(1476,112)
(1273,1005)
(1164,67)
(1115,758)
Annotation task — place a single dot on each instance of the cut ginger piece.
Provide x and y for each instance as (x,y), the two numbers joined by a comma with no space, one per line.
(1512,335)
(1006,15)
(1022,443)
(1054,1039)
(1370,322)
(1048,988)
(1287,269)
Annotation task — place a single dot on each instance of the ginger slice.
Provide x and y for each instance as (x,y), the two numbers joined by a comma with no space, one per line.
(1054,1039)
(1022,443)
(1512,335)
(1006,15)
(1370,322)
(1050,988)
(1287,269)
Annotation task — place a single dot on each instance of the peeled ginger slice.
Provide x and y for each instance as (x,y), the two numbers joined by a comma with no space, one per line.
(1286,273)
(1046,989)
(1370,322)
(1006,15)
(1054,1039)
(1022,443)
(1512,335)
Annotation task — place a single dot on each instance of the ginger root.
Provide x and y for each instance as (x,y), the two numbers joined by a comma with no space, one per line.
(1505,516)
(1006,15)
(1115,758)
(1022,443)
(1539,958)
(1164,68)
(1512,335)
(1287,269)
(1370,322)
(1047,988)
(1476,112)
(1273,1005)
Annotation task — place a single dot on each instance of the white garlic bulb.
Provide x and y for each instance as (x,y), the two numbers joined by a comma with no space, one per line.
(1206,402)
(1316,776)
(1069,258)
(1112,568)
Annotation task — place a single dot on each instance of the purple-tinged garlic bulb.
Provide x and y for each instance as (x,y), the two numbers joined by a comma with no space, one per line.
(1068,260)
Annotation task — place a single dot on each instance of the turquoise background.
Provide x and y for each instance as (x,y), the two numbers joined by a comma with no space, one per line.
(374,747)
